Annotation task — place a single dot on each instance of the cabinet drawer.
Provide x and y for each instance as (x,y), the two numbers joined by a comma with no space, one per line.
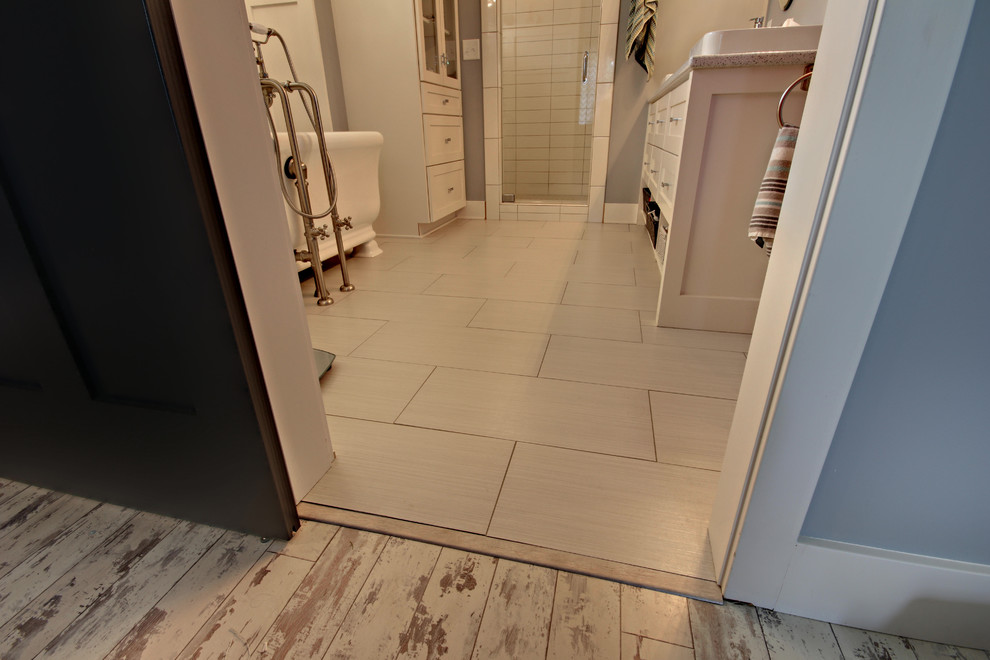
(667,180)
(655,134)
(674,139)
(439,100)
(446,186)
(444,138)
(653,167)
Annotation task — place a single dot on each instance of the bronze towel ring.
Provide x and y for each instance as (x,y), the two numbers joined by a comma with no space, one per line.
(783,97)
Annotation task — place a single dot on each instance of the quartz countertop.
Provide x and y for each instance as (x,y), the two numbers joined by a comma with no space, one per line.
(734,60)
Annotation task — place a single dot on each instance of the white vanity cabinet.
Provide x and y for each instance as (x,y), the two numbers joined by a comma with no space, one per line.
(708,140)
(401,73)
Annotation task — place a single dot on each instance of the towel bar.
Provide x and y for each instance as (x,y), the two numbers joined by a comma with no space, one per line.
(783,97)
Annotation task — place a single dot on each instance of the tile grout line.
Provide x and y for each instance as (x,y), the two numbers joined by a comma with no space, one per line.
(415,394)
(505,474)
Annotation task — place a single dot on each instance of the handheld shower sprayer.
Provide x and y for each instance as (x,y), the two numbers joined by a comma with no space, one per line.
(257,28)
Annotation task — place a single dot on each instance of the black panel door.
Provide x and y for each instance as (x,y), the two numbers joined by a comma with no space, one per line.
(127,371)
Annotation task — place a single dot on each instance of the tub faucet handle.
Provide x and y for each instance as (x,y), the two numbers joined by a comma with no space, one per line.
(757,21)
(344,223)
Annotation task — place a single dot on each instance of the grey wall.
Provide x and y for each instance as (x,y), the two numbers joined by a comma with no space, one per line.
(907,467)
(680,24)
(469,21)
(331,64)
(805,12)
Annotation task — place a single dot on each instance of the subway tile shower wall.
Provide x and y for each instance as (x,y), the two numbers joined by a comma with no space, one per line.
(547,109)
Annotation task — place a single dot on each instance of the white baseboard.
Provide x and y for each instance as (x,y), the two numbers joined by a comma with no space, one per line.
(474,210)
(623,214)
(894,592)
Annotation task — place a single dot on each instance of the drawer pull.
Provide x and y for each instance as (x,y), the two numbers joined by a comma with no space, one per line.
(446,141)
(446,101)
(654,171)
(664,184)
(673,119)
(660,121)
(451,189)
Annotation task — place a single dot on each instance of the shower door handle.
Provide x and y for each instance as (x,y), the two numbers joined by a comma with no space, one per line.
(584,69)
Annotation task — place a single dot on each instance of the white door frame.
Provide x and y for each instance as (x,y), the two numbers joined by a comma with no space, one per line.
(880,85)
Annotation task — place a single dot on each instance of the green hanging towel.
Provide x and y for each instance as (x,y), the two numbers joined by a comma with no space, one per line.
(641,33)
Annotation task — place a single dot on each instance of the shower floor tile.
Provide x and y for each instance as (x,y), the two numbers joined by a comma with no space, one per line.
(371,389)
(593,418)
(635,512)
(437,478)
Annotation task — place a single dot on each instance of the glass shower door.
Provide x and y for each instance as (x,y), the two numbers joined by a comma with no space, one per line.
(549,73)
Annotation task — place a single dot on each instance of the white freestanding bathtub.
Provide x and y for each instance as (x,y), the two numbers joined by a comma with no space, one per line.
(354,155)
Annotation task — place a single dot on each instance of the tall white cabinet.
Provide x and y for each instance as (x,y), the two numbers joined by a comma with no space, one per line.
(401,71)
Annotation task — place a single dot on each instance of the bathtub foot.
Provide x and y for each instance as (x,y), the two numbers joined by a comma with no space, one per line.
(369,249)
(346,287)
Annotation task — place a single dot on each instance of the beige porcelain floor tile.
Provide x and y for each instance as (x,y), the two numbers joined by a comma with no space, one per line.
(716,341)
(573,273)
(475,266)
(610,295)
(385,261)
(371,389)
(391,281)
(594,418)
(648,317)
(562,229)
(613,259)
(659,368)
(498,351)
(571,320)
(648,276)
(474,239)
(431,477)
(556,244)
(635,512)
(426,247)
(518,228)
(691,430)
(407,307)
(340,336)
(596,228)
(522,254)
(544,291)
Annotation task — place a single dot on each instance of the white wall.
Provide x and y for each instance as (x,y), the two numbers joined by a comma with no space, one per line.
(804,12)
(224,80)
(680,24)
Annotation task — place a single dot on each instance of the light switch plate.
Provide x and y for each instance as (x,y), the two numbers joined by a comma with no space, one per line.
(471,49)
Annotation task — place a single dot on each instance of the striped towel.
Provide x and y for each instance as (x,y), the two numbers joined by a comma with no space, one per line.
(641,33)
(763,224)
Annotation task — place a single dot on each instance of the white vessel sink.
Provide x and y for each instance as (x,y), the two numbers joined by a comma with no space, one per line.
(756,40)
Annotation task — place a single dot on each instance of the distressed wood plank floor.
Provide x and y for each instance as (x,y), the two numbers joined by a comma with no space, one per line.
(117,583)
